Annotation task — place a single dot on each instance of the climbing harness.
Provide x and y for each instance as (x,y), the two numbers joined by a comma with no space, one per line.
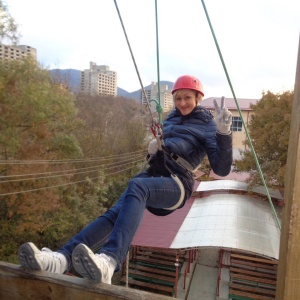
(182,193)
(158,134)
(178,159)
(156,128)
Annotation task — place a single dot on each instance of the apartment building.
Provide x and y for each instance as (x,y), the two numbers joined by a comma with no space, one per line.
(16,52)
(166,99)
(97,80)
(239,136)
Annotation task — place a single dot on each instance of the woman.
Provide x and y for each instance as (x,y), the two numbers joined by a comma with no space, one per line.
(190,133)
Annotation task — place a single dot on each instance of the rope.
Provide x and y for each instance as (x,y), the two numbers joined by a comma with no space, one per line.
(237,105)
(133,59)
(155,127)
(157,63)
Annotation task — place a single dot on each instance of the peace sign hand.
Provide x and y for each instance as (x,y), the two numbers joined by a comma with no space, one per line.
(223,117)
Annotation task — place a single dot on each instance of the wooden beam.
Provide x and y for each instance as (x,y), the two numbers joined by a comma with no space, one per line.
(288,280)
(18,284)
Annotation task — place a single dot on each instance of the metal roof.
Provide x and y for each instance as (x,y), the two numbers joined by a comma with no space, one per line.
(219,220)
(215,185)
(244,104)
(230,221)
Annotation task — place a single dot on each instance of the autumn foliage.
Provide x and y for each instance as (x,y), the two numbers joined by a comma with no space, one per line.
(269,130)
(62,156)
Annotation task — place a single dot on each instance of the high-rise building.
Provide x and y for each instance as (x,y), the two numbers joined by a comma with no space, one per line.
(166,98)
(16,52)
(98,80)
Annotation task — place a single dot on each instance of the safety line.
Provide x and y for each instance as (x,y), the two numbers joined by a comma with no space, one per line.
(135,65)
(246,130)
(157,64)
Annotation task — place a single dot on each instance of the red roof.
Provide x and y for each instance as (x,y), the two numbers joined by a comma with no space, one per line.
(244,104)
(159,232)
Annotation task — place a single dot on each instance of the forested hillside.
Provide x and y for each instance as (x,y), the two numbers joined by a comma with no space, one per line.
(64,158)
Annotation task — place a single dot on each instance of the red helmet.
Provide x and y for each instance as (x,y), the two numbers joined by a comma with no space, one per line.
(188,82)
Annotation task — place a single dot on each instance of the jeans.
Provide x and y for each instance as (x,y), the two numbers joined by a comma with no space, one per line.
(113,232)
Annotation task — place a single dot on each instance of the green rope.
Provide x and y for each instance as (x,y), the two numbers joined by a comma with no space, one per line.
(133,60)
(246,130)
(158,107)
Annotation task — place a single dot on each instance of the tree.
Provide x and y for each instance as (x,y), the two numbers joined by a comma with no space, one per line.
(43,146)
(41,134)
(37,124)
(112,125)
(8,26)
(38,117)
(269,129)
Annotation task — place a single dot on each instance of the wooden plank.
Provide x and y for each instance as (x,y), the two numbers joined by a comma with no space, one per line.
(181,253)
(252,289)
(249,295)
(163,250)
(253,273)
(152,286)
(155,261)
(252,278)
(256,259)
(152,270)
(159,256)
(289,259)
(17,284)
(253,264)
(151,276)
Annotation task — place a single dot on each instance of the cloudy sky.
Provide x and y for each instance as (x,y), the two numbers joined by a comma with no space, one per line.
(258,39)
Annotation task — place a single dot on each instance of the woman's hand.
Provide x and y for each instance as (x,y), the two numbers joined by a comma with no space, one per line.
(152,147)
(223,117)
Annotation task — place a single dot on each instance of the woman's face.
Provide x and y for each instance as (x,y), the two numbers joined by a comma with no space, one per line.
(185,100)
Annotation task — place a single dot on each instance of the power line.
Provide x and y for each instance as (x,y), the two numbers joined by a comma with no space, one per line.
(64,170)
(35,162)
(69,183)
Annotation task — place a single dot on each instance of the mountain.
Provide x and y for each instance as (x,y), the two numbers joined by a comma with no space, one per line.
(136,94)
(72,77)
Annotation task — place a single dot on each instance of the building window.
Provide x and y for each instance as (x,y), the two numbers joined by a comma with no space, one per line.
(237,124)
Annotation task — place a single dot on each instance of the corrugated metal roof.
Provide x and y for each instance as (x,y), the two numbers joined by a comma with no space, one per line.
(215,185)
(222,220)
(230,221)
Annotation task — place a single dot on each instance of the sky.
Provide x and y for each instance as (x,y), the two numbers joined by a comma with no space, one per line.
(258,40)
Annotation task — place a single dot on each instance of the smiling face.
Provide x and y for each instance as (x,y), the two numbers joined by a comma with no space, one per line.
(186,100)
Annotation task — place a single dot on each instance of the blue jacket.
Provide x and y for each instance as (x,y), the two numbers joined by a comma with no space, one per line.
(192,137)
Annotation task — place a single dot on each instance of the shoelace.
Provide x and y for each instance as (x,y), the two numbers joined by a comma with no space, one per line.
(48,252)
(50,262)
(105,267)
(103,260)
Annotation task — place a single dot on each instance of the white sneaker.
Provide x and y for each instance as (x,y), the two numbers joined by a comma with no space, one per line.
(95,267)
(30,257)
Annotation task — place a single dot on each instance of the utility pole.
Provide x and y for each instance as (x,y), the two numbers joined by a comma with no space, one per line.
(288,276)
